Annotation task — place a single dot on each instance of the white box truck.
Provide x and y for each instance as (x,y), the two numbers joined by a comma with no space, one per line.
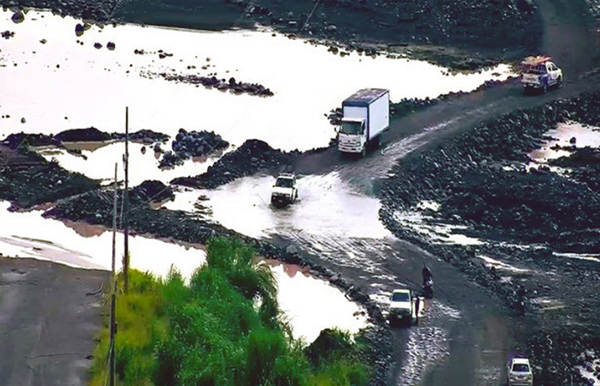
(366,113)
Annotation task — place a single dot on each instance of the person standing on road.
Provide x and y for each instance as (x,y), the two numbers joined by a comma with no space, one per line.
(417,303)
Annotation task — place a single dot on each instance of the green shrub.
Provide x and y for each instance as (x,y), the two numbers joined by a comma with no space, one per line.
(223,329)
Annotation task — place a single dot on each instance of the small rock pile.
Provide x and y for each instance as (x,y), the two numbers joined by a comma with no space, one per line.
(253,156)
(191,144)
(219,84)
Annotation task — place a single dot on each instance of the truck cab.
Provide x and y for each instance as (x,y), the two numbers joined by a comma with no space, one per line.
(284,191)
(401,306)
(519,372)
(351,135)
(539,72)
(365,116)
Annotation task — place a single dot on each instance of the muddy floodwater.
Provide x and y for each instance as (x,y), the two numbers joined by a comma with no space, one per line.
(310,304)
(95,85)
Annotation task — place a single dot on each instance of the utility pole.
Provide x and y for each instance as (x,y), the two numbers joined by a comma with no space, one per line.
(113,296)
(126,205)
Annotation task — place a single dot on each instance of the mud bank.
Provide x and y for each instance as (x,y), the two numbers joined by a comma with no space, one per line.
(519,217)
(486,33)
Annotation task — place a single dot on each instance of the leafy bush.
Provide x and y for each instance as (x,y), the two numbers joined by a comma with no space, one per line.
(224,328)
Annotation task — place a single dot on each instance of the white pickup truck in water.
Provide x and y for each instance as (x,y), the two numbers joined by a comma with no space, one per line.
(539,72)
(284,191)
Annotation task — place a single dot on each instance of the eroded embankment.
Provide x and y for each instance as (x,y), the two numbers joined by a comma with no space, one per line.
(519,215)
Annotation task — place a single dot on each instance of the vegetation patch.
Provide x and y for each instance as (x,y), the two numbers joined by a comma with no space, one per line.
(224,327)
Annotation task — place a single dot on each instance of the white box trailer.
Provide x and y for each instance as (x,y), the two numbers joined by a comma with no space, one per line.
(366,114)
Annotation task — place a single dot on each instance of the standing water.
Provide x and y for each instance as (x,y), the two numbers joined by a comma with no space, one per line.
(66,83)
(310,304)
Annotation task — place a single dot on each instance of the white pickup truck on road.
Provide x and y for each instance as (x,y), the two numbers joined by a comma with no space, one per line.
(401,306)
(539,72)
(519,372)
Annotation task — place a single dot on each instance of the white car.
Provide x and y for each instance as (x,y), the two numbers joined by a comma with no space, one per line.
(519,372)
(401,306)
(284,191)
(539,72)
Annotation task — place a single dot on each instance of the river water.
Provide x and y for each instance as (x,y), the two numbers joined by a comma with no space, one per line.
(53,80)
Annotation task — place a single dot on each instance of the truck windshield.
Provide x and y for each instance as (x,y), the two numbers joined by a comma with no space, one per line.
(521,368)
(284,182)
(400,297)
(351,128)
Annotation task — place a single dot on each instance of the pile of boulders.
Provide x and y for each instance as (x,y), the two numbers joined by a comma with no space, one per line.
(90,134)
(192,144)
(220,84)
(480,178)
(253,156)
(557,354)
(36,181)
(7,34)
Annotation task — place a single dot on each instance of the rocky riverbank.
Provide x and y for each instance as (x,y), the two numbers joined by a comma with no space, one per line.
(465,34)
(523,216)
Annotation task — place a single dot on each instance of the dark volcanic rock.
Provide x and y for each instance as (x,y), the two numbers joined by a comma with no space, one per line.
(192,144)
(35,181)
(83,135)
(152,191)
(79,29)
(144,136)
(7,34)
(253,156)
(18,17)
(21,139)
(111,46)
(221,84)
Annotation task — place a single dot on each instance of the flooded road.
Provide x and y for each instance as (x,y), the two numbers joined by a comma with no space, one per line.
(336,219)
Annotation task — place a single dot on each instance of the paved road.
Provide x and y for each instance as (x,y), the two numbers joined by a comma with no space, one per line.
(49,317)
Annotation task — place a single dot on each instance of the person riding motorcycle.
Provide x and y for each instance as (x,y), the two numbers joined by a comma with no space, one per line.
(427,282)
(426,274)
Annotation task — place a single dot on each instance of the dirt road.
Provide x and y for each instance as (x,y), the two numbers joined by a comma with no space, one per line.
(466,328)
(479,343)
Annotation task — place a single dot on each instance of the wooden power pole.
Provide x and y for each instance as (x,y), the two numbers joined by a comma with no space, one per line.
(113,295)
(126,205)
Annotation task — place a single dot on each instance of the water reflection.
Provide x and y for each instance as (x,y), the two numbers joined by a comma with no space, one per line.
(570,135)
(310,304)
(96,84)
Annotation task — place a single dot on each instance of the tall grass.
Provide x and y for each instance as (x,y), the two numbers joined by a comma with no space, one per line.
(224,328)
